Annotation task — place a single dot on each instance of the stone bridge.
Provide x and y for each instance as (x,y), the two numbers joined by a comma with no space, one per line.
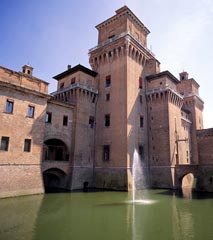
(182,170)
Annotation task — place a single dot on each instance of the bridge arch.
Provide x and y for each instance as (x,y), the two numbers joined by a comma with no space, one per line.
(188,180)
(186,174)
(54,178)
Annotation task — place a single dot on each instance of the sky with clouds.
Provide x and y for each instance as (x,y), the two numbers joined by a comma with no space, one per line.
(50,34)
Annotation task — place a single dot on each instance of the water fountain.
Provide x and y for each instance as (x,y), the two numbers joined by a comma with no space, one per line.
(138,180)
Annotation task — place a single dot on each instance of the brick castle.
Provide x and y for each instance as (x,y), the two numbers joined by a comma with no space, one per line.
(86,132)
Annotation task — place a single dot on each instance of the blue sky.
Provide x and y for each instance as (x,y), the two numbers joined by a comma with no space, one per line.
(49,34)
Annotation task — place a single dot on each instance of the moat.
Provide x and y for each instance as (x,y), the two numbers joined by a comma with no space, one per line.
(107,215)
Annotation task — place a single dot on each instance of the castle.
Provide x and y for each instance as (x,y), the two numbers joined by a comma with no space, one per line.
(86,132)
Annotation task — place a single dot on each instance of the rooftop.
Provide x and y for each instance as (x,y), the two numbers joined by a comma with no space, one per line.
(122,11)
(163,74)
(72,70)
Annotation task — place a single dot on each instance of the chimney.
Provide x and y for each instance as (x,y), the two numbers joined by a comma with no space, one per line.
(68,67)
(27,69)
(183,76)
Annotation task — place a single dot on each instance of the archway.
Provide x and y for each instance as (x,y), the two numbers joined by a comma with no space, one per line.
(54,180)
(55,150)
(188,184)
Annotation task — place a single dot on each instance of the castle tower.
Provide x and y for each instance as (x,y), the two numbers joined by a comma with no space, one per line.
(77,86)
(122,60)
(164,128)
(189,88)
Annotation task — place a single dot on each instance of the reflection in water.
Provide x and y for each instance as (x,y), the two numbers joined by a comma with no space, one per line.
(82,216)
(18,217)
(138,215)
(183,221)
(106,215)
(187,192)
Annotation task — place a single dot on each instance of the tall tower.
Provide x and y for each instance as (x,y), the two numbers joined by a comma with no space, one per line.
(189,88)
(121,60)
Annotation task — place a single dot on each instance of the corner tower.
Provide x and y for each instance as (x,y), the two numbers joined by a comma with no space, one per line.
(122,60)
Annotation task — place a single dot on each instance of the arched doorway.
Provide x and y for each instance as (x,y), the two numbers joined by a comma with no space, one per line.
(55,150)
(54,180)
(188,184)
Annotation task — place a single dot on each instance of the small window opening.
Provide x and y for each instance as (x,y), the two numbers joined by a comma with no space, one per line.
(65,120)
(107,97)
(107,120)
(106,152)
(112,36)
(9,106)
(91,122)
(61,85)
(31,111)
(73,80)
(141,122)
(108,81)
(48,118)
(27,145)
(93,100)
(4,143)
(141,152)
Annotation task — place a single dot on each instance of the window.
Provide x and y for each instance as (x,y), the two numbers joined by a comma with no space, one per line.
(141,122)
(61,85)
(91,122)
(108,81)
(93,99)
(4,143)
(27,145)
(9,106)
(112,36)
(48,118)
(106,152)
(65,120)
(140,82)
(107,97)
(31,111)
(141,152)
(107,120)
(72,80)
(141,99)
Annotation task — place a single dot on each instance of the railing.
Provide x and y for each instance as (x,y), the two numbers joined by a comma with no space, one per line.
(128,34)
(163,89)
(76,85)
(193,94)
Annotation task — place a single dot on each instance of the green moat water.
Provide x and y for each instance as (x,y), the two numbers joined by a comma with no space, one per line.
(106,215)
